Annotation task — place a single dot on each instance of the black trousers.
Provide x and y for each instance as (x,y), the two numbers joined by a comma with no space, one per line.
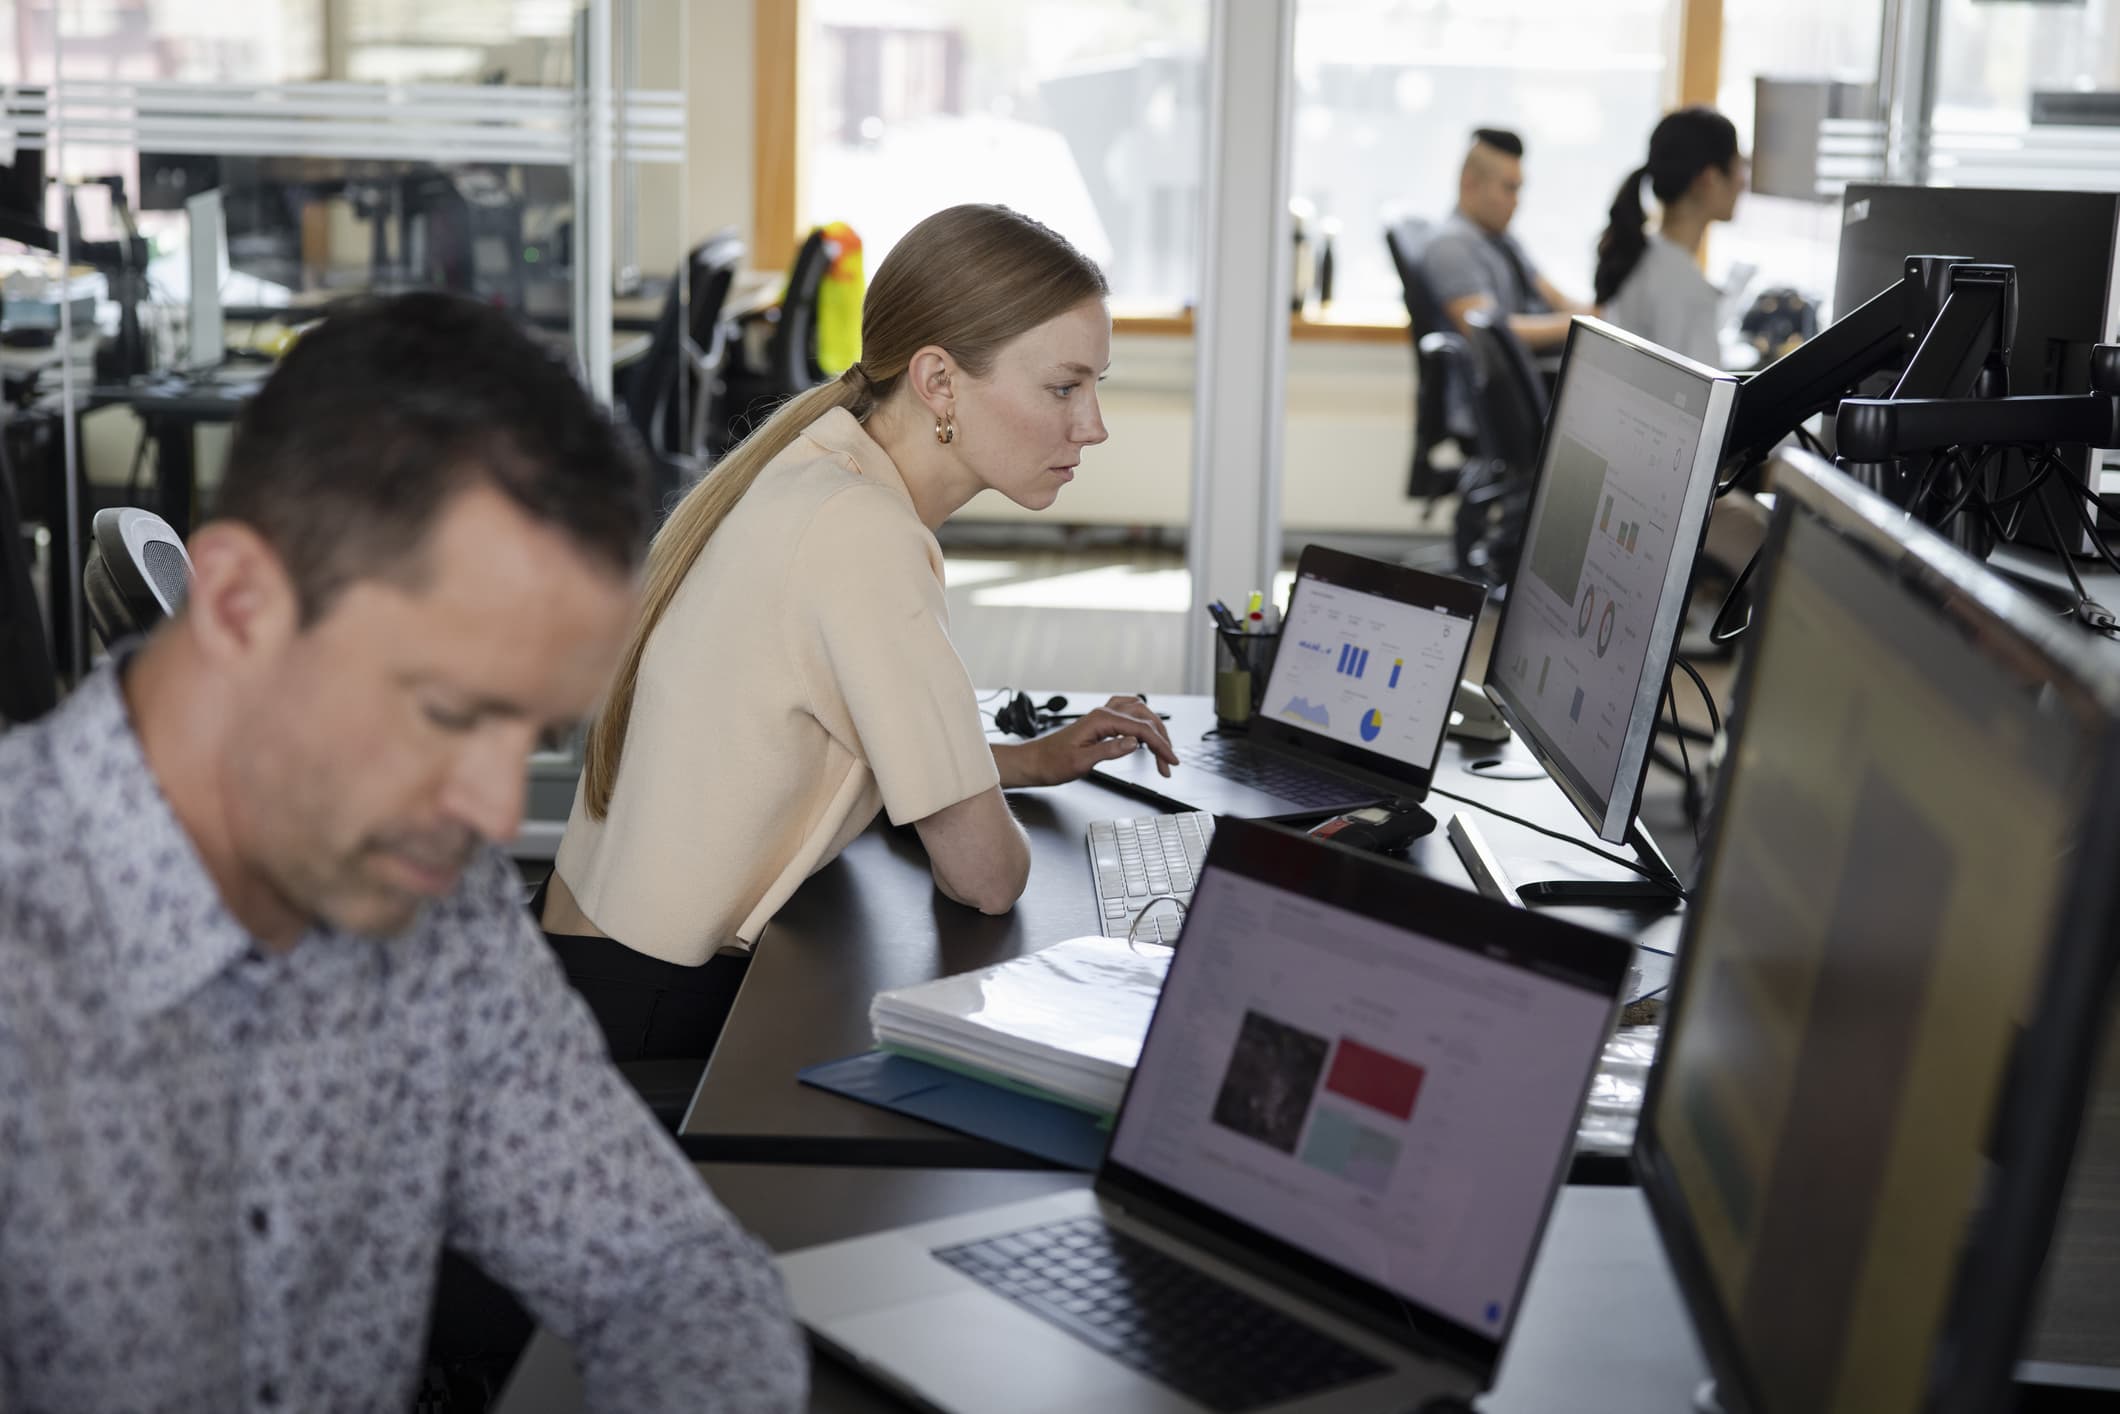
(649,1009)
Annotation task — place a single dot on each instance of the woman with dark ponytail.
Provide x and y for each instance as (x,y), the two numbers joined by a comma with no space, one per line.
(1650,283)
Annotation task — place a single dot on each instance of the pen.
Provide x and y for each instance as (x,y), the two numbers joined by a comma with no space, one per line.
(1251,610)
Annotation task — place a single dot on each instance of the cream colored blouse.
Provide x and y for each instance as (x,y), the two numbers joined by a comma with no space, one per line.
(802,678)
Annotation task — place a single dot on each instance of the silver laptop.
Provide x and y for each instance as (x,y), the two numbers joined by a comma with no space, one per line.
(1356,703)
(1325,1184)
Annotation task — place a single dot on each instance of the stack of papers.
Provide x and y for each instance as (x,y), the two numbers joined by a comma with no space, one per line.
(1065,1022)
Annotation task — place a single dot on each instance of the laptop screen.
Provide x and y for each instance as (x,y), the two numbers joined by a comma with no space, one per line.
(1367,671)
(1368,663)
(1392,1104)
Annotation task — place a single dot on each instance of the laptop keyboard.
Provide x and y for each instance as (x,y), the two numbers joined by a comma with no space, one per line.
(1154,1313)
(1135,860)
(1298,784)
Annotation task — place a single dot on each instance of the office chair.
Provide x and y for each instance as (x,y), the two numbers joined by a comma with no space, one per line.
(713,269)
(1441,403)
(687,346)
(1522,397)
(137,573)
(788,364)
(28,686)
(1495,485)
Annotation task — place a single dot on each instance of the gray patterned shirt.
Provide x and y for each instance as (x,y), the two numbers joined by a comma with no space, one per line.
(226,1176)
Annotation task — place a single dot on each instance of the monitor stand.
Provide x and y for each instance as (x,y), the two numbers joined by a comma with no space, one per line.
(1662,890)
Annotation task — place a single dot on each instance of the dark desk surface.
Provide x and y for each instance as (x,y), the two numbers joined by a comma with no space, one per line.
(1603,1330)
(873,920)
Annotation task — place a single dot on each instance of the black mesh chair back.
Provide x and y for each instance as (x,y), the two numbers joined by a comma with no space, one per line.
(1494,485)
(670,391)
(786,363)
(137,573)
(1441,405)
(712,271)
(1512,389)
(791,351)
(28,687)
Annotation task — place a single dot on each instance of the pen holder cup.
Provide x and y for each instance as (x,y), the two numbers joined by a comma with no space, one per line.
(1243,662)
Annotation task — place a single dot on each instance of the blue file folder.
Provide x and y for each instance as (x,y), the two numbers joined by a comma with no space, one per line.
(1044,1128)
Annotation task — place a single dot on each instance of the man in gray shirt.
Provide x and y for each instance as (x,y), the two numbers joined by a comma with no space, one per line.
(1472,262)
(275,1027)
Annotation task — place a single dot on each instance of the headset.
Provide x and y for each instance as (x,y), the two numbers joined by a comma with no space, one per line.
(1019,716)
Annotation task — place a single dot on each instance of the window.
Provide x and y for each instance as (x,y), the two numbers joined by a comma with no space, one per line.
(1388,92)
(1807,57)
(1993,61)
(1086,114)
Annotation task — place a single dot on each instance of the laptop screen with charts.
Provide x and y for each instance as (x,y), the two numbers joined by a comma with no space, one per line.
(1364,672)
(1354,1106)
(1368,663)
(1626,477)
(1388,1104)
(1893,973)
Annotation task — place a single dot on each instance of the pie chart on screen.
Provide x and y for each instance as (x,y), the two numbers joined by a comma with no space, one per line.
(1372,724)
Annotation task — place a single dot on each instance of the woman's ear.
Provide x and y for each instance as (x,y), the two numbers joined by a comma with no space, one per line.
(932,375)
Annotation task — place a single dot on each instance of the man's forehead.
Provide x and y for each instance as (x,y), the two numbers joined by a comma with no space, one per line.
(496,597)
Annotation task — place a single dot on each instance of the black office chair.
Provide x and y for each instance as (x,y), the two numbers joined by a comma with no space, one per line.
(708,336)
(1441,403)
(671,390)
(28,686)
(137,573)
(1506,399)
(788,363)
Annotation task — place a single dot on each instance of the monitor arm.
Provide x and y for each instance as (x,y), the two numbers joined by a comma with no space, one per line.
(1873,434)
(1949,323)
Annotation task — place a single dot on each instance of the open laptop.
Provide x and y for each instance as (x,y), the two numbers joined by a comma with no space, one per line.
(1325,1184)
(1356,705)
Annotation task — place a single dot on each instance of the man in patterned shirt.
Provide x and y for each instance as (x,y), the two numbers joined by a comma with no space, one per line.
(275,1027)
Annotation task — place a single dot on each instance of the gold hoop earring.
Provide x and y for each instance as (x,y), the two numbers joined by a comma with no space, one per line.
(945,429)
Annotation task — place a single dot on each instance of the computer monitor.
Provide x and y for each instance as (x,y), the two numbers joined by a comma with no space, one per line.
(1893,973)
(209,258)
(2065,246)
(1626,477)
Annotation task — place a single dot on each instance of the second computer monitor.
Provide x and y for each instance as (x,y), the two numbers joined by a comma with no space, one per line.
(1893,972)
(1626,477)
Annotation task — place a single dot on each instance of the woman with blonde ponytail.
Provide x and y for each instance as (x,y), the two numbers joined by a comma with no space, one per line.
(791,671)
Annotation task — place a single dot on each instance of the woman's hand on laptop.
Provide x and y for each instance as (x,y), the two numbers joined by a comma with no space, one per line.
(1118,728)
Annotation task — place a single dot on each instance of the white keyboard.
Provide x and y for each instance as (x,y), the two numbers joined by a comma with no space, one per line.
(1149,856)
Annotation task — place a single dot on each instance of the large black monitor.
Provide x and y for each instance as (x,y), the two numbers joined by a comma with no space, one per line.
(2064,245)
(1893,973)
(1626,477)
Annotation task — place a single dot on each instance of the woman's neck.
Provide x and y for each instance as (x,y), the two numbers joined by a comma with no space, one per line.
(935,476)
(1684,225)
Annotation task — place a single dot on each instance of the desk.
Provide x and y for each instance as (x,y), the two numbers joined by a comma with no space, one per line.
(1603,1330)
(873,920)
(171,407)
